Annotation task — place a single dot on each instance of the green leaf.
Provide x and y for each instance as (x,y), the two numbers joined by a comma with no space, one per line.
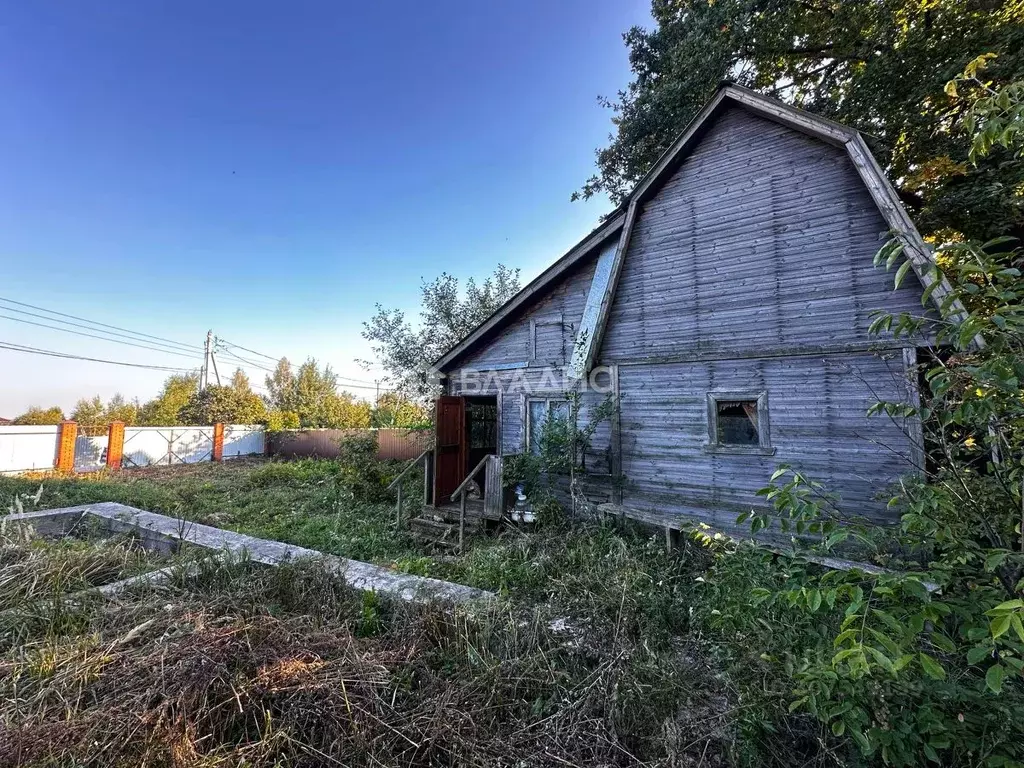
(977,653)
(931,667)
(901,273)
(1009,605)
(994,560)
(994,678)
(843,637)
(881,659)
(928,291)
(1017,625)
(814,600)
(862,741)
(999,625)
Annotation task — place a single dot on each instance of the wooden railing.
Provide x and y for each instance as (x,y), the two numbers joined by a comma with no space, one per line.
(493,493)
(425,457)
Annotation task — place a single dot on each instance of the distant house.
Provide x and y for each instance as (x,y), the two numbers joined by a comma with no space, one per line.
(5,422)
(726,307)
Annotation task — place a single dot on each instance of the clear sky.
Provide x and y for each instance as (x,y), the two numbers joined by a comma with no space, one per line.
(273,170)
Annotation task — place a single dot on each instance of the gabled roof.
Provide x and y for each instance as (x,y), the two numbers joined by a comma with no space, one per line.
(504,314)
(624,218)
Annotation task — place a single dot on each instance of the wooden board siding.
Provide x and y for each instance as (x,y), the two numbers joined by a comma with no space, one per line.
(749,271)
(560,305)
(817,414)
(762,240)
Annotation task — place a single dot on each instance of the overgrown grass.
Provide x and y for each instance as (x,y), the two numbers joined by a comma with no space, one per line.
(285,666)
(606,650)
(301,502)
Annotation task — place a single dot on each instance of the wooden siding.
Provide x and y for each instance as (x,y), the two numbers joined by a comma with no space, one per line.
(548,326)
(749,271)
(761,241)
(817,414)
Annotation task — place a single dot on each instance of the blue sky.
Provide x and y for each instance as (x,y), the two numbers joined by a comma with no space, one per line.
(273,170)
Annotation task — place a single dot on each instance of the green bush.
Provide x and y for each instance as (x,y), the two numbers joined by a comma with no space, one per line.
(923,662)
(278,421)
(367,476)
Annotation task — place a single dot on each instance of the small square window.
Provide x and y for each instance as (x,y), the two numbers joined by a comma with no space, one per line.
(738,423)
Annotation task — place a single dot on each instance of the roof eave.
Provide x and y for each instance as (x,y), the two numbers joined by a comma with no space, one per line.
(545,278)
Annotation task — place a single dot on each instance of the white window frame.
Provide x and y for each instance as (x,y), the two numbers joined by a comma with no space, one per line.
(547,400)
(764,446)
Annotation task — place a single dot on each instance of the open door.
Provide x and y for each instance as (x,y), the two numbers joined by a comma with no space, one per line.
(450,448)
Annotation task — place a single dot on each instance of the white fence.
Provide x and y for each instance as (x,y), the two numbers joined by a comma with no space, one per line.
(23,449)
(145,446)
(244,440)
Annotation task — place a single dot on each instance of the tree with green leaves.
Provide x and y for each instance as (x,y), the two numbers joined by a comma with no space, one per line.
(93,412)
(89,411)
(165,409)
(395,411)
(924,664)
(880,67)
(226,405)
(36,416)
(281,387)
(312,396)
(447,315)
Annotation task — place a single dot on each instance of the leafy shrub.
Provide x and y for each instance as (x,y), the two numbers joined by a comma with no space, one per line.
(278,421)
(366,476)
(226,405)
(925,662)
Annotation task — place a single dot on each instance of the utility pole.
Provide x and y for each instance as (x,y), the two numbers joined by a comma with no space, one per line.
(213,359)
(204,374)
(209,358)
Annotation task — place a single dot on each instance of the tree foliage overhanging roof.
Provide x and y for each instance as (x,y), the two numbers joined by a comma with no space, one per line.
(879,67)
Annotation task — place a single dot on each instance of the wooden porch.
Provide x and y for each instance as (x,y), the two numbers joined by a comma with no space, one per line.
(447,524)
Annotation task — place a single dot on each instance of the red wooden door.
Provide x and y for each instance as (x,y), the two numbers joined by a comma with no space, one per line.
(450,448)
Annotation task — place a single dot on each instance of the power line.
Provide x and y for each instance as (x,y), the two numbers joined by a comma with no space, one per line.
(49,353)
(246,349)
(90,328)
(94,336)
(357,381)
(231,356)
(236,356)
(104,325)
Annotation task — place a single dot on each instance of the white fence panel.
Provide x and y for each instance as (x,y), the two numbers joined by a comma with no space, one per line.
(23,449)
(90,452)
(243,440)
(145,446)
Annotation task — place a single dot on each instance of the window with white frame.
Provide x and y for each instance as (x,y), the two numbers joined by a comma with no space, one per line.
(540,411)
(738,423)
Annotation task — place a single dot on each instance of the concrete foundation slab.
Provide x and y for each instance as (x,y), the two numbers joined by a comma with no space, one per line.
(165,533)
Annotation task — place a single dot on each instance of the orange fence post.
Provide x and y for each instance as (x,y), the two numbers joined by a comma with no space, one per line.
(66,436)
(115,444)
(218,442)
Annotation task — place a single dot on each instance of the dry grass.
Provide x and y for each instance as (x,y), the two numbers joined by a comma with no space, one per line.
(264,667)
(598,655)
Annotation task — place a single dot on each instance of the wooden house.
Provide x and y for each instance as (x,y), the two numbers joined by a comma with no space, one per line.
(726,307)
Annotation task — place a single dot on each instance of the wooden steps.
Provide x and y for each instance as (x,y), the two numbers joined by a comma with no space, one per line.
(439,526)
